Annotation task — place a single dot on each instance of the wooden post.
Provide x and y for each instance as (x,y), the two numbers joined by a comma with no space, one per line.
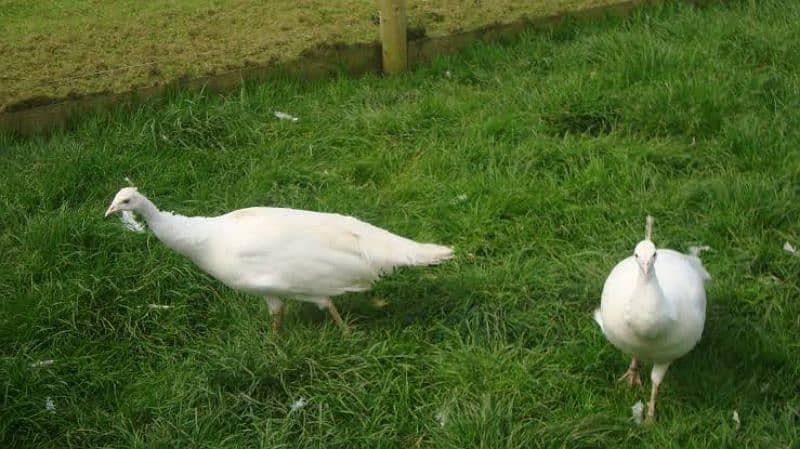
(393,35)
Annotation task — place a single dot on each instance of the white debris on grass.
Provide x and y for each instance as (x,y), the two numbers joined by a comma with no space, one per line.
(285,116)
(158,306)
(447,74)
(789,248)
(696,250)
(637,413)
(737,423)
(49,405)
(440,418)
(42,363)
(298,404)
(129,222)
(460,198)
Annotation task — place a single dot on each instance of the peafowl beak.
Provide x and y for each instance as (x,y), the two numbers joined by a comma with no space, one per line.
(647,267)
(111,209)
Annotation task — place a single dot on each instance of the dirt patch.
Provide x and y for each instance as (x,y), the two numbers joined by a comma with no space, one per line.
(68,48)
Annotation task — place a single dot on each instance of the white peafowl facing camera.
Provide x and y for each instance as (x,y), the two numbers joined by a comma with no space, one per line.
(653,308)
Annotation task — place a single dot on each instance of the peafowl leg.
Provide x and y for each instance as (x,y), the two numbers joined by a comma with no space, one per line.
(656,376)
(276,311)
(632,375)
(328,304)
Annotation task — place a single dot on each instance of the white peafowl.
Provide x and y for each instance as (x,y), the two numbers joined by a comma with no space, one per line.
(653,308)
(278,253)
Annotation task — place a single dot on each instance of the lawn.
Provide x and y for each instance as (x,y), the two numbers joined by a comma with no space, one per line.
(60,48)
(538,161)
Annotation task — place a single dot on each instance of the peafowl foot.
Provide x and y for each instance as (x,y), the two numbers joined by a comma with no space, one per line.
(631,377)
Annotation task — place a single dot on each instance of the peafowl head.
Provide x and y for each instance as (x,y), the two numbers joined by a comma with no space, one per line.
(645,254)
(127,198)
(645,251)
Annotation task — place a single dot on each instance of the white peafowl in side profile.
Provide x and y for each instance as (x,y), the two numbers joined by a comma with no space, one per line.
(277,253)
(653,308)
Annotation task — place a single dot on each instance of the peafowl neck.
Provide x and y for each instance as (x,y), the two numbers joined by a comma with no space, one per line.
(186,235)
(148,210)
(649,313)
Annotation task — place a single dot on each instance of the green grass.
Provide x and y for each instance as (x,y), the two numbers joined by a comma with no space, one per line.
(561,142)
(54,49)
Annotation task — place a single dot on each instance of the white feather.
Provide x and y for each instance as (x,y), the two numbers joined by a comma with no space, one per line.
(42,363)
(159,306)
(129,222)
(298,404)
(598,318)
(637,412)
(284,116)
